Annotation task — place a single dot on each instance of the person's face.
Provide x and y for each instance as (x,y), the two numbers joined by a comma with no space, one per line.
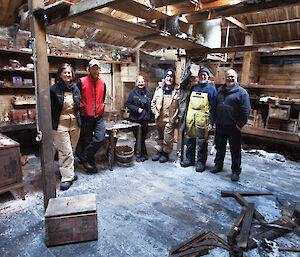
(194,80)
(95,71)
(169,80)
(231,78)
(140,82)
(203,77)
(66,75)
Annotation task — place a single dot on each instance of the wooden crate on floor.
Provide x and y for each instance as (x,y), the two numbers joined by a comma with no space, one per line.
(71,219)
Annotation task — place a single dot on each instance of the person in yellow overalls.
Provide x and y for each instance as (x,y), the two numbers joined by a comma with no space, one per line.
(199,120)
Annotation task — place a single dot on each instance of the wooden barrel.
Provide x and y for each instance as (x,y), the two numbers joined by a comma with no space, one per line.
(124,154)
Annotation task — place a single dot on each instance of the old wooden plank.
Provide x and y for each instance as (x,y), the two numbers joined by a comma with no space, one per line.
(243,193)
(102,21)
(80,8)
(242,240)
(237,10)
(237,23)
(71,205)
(201,250)
(282,46)
(268,233)
(271,133)
(233,231)
(43,102)
(243,202)
(142,11)
(186,243)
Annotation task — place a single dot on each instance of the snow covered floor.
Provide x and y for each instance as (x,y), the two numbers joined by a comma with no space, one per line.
(147,209)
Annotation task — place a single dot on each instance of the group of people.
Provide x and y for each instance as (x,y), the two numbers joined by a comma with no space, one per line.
(77,119)
(228,108)
(79,130)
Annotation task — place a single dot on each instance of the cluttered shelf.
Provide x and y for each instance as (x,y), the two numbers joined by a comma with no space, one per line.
(15,127)
(29,52)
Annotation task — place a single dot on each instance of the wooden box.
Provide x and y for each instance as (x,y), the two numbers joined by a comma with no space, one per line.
(71,219)
(281,112)
(11,176)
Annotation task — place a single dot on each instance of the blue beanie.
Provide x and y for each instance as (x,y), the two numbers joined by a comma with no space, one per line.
(169,72)
(204,69)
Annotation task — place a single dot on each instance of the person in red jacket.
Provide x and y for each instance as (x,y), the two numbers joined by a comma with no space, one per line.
(92,136)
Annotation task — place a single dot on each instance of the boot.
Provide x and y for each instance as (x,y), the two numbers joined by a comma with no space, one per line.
(190,153)
(90,168)
(157,156)
(235,177)
(201,155)
(217,168)
(200,167)
(164,157)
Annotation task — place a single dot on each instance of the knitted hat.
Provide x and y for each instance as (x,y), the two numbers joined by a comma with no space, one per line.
(170,72)
(204,69)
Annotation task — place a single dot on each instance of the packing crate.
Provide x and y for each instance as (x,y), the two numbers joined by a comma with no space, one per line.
(71,219)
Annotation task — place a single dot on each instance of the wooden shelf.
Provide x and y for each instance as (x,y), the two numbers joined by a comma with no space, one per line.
(272,133)
(14,127)
(15,87)
(16,70)
(272,87)
(12,51)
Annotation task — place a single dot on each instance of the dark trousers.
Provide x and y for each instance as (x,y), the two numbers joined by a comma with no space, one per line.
(92,137)
(231,133)
(201,142)
(144,131)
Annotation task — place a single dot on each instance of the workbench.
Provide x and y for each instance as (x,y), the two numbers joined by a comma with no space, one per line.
(112,130)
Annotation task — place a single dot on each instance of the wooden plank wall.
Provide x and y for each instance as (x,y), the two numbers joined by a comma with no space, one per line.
(275,74)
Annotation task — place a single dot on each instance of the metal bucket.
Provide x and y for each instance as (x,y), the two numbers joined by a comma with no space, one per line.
(124,155)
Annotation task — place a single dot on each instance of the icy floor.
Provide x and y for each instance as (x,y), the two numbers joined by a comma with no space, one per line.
(147,209)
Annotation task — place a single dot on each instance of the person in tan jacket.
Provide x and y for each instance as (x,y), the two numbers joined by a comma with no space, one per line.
(164,106)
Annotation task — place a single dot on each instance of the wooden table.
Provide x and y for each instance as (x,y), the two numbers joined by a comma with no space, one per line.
(113,130)
(11,176)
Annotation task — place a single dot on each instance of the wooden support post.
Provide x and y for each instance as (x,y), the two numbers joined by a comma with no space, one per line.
(180,139)
(251,62)
(38,31)
(138,61)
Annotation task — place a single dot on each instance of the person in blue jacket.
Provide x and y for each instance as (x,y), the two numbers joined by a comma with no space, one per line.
(139,104)
(232,111)
(199,120)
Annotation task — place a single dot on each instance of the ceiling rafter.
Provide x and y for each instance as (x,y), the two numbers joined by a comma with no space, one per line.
(236,10)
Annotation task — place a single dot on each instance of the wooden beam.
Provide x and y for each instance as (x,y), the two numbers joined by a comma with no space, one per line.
(206,6)
(142,11)
(273,23)
(237,23)
(243,193)
(161,3)
(80,8)
(102,21)
(237,10)
(262,47)
(41,74)
(250,68)
(242,240)
(271,133)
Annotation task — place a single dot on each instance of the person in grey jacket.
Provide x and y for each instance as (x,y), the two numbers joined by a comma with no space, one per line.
(232,111)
